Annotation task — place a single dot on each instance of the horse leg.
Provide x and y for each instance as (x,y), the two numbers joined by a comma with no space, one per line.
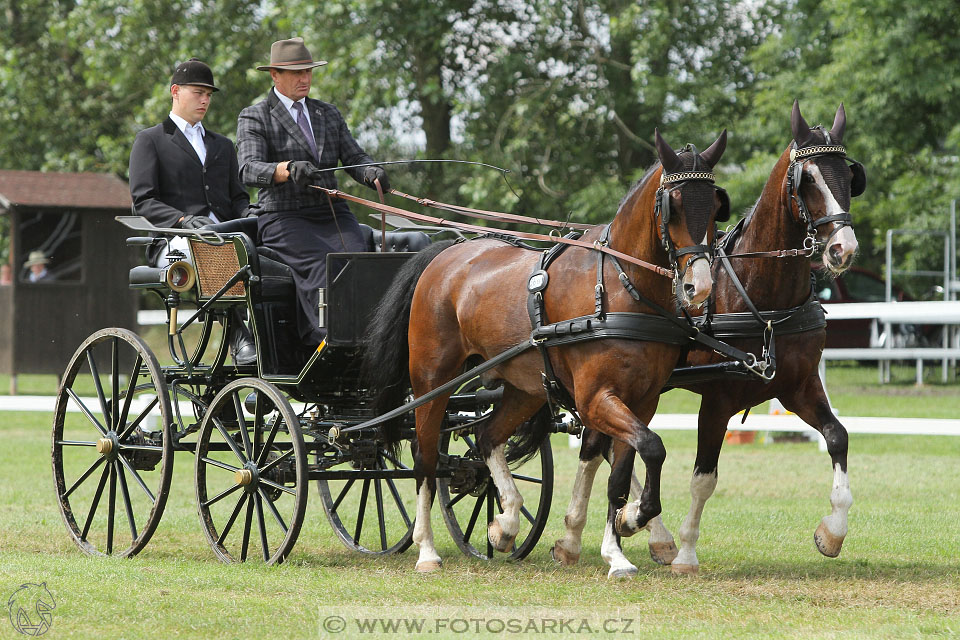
(429,418)
(515,408)
(712,427)
(611,411)
(810,403)
(661,545)
(566,550)
(618,487)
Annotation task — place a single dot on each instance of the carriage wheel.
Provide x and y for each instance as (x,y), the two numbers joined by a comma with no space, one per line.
(378,521)
(112,454)
(469,499)
(251,473)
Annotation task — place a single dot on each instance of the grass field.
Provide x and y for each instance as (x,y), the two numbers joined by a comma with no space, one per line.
(761,576)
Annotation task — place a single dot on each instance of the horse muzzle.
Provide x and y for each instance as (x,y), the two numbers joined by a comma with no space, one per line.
(840,250)
(697,282)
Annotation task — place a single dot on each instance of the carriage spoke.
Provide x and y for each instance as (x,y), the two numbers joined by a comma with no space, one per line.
(125,492)
(136,476)
(362,509)
(459,497)
(93,505)
(273,510)
(96,379)
(378,491)
(134,375)
(86,474)
(77,443)
(490,496)
(114,382)
(86,411)
(136,422)
(263,529)
(396,498)
(242,423)
(265,451)
(232,519)
(473,518)
(529,516)
(111,507)
(517,476)
(247,522)
(219,465)
(283,456)
(278,487)
(343,493)
(230,441)
(223,494)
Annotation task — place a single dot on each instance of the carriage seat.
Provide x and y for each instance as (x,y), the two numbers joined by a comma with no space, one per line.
(396,240)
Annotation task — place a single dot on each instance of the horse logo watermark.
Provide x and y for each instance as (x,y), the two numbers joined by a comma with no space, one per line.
(30,608)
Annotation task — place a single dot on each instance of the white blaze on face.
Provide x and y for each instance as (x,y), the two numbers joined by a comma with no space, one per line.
(843,244)
(697,281)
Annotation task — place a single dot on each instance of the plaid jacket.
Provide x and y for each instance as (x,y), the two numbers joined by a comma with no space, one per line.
(268,135)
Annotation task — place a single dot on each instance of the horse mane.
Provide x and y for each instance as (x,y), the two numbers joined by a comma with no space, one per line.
(638,185)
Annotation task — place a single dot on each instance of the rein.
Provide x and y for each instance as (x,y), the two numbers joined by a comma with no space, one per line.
(437,221)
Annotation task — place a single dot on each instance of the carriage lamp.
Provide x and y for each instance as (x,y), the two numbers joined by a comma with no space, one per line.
(180,276)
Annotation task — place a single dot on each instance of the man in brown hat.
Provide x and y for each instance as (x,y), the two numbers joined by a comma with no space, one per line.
(281,142)
(185,176)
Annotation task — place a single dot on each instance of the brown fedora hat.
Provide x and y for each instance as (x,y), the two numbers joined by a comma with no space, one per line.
(292,55)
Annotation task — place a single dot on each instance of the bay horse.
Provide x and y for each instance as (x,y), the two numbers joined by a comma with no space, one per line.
(453,305)
(807,196)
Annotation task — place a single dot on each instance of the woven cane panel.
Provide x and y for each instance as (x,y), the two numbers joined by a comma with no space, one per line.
(215,265)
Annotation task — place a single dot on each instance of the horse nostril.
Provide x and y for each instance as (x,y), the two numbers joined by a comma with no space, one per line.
(836,252)
(689,290)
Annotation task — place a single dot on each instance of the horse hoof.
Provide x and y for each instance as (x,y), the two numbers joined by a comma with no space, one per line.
(685,569)
(563,557)
(827,543)
(621,573)
(429,566)
(623,529)
(663,552)
(500,542)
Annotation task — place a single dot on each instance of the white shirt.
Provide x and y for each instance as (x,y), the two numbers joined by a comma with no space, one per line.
(194,135)
(288,103)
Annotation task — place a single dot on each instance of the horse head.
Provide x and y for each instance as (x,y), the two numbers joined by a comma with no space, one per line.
(687,207)
(820,182)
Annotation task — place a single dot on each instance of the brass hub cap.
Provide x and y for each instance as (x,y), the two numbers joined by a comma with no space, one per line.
(104,446)
(243,476)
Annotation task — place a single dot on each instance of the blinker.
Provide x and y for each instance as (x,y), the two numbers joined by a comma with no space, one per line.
(858,183)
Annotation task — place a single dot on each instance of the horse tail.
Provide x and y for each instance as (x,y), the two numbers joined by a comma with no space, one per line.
(385,368)
(531,434)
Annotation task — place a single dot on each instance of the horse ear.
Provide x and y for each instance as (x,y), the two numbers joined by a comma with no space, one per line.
(839,124)
(799,126)
(668,157)
(711,155)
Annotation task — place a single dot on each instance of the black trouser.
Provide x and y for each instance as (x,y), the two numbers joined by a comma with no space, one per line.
(303,239)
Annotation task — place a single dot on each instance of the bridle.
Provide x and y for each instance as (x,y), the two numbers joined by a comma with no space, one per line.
(798,158)
(662,214)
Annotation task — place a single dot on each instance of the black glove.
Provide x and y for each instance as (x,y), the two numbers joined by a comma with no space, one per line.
(302,172)
(376,173)
(195,222)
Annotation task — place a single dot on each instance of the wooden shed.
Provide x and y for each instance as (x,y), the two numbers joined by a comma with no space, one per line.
(67,267)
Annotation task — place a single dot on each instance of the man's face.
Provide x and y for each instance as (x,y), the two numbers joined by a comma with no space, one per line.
(293,84)
(190,102)
(38,269)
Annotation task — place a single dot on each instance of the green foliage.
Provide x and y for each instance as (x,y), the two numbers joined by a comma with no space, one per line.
(564,94)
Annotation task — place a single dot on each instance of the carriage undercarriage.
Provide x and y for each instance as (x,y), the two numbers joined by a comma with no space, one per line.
(260,435)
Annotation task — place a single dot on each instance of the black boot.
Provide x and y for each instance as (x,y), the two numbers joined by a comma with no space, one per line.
(243,349)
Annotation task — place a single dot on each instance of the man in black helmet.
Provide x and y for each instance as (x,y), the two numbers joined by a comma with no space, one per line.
(185,176)
(281,142)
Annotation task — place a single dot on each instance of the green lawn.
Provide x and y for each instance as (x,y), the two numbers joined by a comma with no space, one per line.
(761,576)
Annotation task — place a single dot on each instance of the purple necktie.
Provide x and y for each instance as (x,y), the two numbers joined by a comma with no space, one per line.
(305,127)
